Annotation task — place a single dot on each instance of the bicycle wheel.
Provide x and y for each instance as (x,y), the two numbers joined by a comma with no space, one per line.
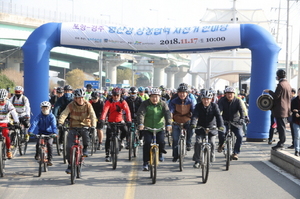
(114,151)
(181,153)
(92,143)
(78,169)
(96,143)
(170,139)
(57,144)
(41,160)
(73,165)
(14,143)
(136,146)
(228,153)
(130,145)
(154,165)
(1,160)
(45,159)
(65,146)
(205,164)
(21,142)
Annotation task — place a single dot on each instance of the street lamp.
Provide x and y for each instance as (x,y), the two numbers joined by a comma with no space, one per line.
(131,61)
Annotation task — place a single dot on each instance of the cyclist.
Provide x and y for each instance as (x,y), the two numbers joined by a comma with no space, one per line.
(207,115)
(22,105)
(88,92)
(181,108)
(46,123)
(81,115)
(142,93)
(54,98)
(98,105)
(114,107)
(164,95)
(6,108)
(154,113)
(134,103)
(60,105)
(232,110)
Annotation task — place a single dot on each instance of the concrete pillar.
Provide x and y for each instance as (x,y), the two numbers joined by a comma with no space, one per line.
(158,73)
(111,67)
(13,63)
(195,80)
(171,71)
(180,75)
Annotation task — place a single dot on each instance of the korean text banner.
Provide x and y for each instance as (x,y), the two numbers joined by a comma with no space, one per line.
(145,39)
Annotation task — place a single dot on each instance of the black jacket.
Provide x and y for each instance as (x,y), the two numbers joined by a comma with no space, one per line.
(134,105)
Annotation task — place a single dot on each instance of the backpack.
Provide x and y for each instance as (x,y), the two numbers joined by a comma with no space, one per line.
(14,99)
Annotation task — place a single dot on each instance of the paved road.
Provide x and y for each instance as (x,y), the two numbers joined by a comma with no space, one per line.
(249,177)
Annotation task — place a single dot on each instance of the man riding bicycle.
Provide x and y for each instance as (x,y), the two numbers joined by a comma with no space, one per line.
(154,113)
(6,108)
(207,115)
(82,115)
(232,111)
(181,108)
(22,105)
(114,107)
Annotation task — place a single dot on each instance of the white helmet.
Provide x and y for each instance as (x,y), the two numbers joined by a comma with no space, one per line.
(79,93)
(155,91)
(3,94)
(19,88)
(45,103)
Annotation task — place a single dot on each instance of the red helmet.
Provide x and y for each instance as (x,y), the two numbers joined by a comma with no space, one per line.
(116,91)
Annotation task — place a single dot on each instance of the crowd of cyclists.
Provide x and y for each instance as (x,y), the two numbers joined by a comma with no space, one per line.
(91,109)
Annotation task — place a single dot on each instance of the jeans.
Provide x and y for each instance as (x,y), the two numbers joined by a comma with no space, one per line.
(296,137)
(176,134)
(238,132)
(197,149)
(148,136)
(84,133)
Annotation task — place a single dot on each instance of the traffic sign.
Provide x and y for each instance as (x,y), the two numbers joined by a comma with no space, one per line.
(95,84)
(107,81)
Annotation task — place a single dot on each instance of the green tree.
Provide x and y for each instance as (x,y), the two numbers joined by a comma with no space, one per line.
(75,78)
(5,82)
(125,74)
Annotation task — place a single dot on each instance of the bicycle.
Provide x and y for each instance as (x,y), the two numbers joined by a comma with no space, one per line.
(205,153)
(2,152)
(93,141)
(154,154)
(76,155)
(43,152)
(133,141)
(169,138)
(23,142)
(17,140)
(115,142)
(64,133)
(229,144)
(181,144)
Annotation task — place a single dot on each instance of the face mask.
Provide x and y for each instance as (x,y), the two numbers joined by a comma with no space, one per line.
(2,103)
(18,95)
(68,95)
(46,111)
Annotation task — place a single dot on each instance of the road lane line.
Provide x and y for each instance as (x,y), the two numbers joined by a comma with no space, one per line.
(130,189)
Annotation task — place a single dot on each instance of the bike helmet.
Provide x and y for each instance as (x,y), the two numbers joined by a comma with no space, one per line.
(68,88)
(101,91)
(3,94)
(207,94)
(147,90)
(19,88)
(281,73)
(79,93)
(162,87)
(182,88)
(89,86)
(95,95)
(183,84)
(45,103)
(155,91)
(229,90)
(141,89)
(133,90)
(116,91)
(59,90)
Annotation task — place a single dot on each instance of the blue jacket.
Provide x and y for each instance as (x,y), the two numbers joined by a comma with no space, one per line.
(46,124)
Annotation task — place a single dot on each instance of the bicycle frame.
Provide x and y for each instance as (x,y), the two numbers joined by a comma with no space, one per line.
(2,153)
(229,144)
(181,146)
(43,152)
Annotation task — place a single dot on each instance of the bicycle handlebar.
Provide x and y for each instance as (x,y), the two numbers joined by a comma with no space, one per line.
(154,129)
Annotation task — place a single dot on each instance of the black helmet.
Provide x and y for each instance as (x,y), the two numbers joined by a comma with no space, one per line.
(59,90)
(182,88)
(207,94)
(95,95)
(89,86)
(133,90)
(183,84)
(68,87)
(281,73)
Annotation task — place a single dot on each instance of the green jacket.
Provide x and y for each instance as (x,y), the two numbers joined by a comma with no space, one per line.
(154,116)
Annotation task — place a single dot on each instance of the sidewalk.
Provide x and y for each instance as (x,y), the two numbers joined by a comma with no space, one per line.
(285,158)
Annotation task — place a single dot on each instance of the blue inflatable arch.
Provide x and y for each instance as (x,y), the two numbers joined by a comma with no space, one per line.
(206,38)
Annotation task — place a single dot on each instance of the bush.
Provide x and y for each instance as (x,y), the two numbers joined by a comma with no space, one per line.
(6,83)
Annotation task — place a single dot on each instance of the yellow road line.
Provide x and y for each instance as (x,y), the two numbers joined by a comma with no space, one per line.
(130,189)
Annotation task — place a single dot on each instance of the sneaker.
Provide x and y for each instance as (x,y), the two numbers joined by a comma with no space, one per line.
(36,157)
(145,167)
(188,147)
(212,158)
(235,156)
(49,163)
(196,165)
(9,155)
(27,136)
(122,145)
(141,143)
(161,158)
(68,170)
(99,146)
(175,160)
(107,159)
(275,148)
(297,153)
(291,147)
(163,151)
(220,148)
(127,146)
(85,153)
(61,147)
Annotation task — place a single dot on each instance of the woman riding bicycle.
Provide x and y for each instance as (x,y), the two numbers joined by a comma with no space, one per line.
(208,116)
(82,115)
(153,113)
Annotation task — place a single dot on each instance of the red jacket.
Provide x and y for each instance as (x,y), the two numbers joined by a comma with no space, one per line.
(115,111)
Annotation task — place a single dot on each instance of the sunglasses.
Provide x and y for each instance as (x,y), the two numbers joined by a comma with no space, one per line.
(115,95)
(18,92)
